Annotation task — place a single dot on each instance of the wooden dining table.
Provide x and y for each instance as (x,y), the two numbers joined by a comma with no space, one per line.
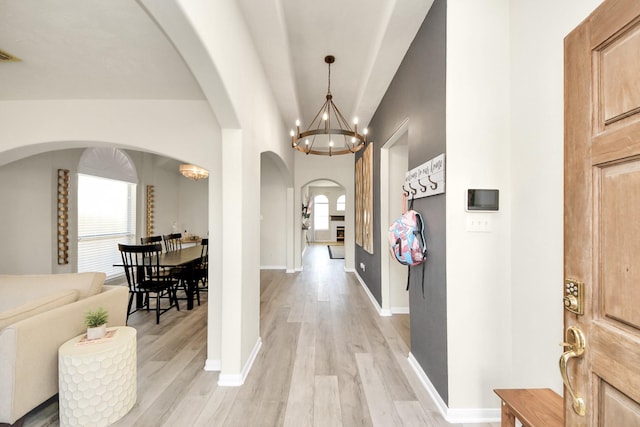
(183,258)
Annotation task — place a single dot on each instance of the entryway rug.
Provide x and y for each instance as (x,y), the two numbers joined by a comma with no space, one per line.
(336,252)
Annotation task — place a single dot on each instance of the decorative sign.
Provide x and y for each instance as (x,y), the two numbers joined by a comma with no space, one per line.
(425,180)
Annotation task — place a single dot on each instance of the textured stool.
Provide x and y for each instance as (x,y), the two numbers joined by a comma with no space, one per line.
(97,379)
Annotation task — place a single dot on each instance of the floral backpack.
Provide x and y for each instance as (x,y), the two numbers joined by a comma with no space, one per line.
(406,241)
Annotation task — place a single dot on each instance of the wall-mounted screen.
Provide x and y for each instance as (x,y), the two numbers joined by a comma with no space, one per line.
(482,200)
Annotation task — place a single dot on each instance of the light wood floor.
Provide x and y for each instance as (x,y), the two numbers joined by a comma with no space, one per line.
(327,359)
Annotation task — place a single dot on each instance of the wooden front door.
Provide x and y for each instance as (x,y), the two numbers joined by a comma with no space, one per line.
(602,217)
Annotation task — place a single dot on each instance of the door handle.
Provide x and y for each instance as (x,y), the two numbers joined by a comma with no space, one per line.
(576,345)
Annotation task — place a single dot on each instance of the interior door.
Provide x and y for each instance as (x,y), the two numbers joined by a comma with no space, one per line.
(602,218)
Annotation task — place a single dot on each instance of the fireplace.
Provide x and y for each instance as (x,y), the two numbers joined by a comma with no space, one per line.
(340,233)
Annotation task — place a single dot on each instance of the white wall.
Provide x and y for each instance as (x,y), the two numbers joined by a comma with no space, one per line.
(273,225)
(537,32)
(505,131)
(193,206)
(478,146)
(28,217)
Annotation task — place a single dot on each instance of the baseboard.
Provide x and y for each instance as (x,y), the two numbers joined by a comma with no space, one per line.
(290,270)
(236,380)
(349,270)
(456,415)
(400,310)
(212,365)
(273,267)
(381,312)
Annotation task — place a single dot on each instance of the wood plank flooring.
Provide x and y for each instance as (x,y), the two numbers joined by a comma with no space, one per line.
(327,359)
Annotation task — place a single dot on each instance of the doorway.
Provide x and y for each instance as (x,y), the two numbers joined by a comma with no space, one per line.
(394,163)
(323,216)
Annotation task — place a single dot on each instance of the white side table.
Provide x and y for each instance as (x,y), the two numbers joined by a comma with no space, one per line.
(97,380)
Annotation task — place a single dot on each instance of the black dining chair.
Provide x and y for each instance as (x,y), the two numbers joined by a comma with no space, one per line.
(146,278)
(204,265)
(172,242)
(199,271)
(150,239)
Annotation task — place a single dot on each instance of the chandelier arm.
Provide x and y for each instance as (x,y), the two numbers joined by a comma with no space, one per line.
(342,122)
(318,114)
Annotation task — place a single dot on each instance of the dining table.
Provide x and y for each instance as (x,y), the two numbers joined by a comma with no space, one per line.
(183,258)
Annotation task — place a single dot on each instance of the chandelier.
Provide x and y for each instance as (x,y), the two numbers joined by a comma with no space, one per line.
(323,139)
(193,172)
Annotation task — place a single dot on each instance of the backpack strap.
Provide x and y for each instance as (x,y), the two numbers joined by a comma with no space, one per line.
(419,234)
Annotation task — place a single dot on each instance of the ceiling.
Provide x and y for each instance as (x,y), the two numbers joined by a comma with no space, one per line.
(98,49)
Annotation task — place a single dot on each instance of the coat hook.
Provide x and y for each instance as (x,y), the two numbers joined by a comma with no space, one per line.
(423,189)
(413,190)
(433,185)
(406,192)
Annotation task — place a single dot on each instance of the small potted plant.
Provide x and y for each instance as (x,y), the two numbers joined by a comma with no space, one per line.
(96,322)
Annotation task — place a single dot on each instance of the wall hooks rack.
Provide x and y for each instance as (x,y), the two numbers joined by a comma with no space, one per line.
(434,185)
(432,171)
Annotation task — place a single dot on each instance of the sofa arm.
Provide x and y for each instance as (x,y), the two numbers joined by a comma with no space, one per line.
(29,349)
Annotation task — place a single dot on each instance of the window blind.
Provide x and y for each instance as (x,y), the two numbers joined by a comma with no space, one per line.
(106,217)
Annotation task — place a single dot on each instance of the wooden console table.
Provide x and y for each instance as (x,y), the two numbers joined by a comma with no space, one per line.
(533,407)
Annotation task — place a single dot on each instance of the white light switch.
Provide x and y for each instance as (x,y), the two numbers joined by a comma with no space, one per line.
(478,224)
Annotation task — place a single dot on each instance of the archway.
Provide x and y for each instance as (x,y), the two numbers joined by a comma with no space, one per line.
(276,213)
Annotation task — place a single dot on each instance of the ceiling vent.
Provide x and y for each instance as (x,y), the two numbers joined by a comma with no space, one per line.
(4,56)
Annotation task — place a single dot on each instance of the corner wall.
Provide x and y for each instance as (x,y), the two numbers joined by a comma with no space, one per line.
(417,93)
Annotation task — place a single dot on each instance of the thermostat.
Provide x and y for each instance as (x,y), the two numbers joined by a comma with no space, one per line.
(482,200)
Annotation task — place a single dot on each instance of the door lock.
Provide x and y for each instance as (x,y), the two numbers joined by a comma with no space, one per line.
(573,296)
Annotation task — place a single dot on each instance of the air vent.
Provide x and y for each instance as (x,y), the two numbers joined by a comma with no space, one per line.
(4,56)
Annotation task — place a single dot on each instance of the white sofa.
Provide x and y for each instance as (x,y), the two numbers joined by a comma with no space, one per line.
(37,314)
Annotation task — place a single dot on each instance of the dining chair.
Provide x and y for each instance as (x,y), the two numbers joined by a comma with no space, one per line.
(145,278)
(198,272)
(172,242)
(150,239)
(204,265)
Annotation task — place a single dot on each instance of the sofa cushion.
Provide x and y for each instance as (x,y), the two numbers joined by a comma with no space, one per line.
(16,290)
(40,305)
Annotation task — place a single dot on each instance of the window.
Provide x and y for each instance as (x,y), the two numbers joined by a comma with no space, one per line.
(106,217)
(340,203)
(320,213)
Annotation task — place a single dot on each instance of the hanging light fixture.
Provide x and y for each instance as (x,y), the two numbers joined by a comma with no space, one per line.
(193,172)
(323,139)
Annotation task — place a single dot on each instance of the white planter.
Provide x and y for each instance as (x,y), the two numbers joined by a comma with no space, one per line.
(96,333)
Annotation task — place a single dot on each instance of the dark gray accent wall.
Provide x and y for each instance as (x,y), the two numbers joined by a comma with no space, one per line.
(418,93)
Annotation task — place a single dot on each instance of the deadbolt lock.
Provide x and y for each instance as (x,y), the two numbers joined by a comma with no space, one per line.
(573,296)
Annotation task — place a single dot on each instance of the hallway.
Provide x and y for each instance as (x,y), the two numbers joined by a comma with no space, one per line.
(327,359)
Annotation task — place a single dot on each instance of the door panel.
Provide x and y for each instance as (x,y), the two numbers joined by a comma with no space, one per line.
(602,211)
(619,60)
(616,403)
(620,242)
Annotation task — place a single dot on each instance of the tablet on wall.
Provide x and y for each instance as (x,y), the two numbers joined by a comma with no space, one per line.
(482,200)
